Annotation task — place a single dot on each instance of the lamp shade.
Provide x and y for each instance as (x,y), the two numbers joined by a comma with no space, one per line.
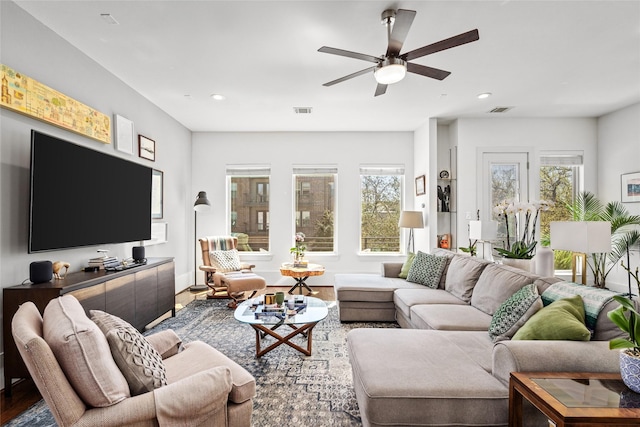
(202,204)
(581,236)
(483,230)
(411,219)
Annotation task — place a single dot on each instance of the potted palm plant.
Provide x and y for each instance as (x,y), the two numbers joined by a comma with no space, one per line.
(627,318)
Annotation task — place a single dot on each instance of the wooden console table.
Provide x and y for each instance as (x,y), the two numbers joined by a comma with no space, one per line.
(574,398)
(138,295)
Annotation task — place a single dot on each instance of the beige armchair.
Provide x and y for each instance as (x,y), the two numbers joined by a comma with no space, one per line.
(204,387)
(224,273)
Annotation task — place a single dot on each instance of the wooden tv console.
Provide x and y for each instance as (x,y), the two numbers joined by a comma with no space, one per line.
(138,295)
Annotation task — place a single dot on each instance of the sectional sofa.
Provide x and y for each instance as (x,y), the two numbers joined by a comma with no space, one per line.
(443,368)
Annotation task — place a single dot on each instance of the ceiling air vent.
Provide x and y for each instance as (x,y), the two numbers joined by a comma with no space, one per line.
(302,110)
(500,109)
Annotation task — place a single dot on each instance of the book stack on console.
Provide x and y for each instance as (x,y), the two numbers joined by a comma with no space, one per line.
(104,263)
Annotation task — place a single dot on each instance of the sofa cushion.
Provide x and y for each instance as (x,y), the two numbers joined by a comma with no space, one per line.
(449,317)
(198,356)
(404,299)
(83,353)
(369,287)
(225,261)
(138,360)
(496,284)
(514,312)
(431,380)
(560,320)
(426,269)
(462,274)
(404,271)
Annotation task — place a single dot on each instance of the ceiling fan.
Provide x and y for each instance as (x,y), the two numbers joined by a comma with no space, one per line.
(392,66)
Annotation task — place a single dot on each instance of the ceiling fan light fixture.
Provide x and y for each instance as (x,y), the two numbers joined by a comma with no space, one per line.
(390,71)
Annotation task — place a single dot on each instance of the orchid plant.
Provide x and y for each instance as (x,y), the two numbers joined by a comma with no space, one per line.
(300,247)
(524,234)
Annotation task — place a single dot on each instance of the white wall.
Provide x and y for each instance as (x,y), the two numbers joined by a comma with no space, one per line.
(619,153)
(31,48)
(348,150)
(530,134)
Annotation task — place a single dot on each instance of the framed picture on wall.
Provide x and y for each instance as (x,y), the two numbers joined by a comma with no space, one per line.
(124,134)
(146,148)
(157,202)
(630,186)
(420,185)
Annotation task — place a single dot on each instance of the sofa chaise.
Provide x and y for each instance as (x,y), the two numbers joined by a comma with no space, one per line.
(443,368)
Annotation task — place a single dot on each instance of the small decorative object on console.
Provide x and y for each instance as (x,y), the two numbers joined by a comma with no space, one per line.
(59,265)
(444,174)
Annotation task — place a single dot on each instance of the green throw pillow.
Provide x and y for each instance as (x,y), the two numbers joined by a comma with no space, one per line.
(561,320)
(426,269)
(406,266)
(514,312)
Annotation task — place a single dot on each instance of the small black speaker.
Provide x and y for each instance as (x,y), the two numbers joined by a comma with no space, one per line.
(40,271)
(138,253)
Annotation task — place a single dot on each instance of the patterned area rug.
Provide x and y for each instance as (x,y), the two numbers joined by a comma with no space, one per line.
(292,389)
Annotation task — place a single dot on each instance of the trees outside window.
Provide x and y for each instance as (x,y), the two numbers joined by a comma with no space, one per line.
(381,199)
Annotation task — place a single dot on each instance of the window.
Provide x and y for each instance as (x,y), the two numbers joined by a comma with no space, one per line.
(248,188)
(381,203)
(315,206)
(560,182)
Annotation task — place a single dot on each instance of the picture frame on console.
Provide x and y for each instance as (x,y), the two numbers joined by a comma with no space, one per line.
(630,187)
(157,198)
(420,185)
(146,148)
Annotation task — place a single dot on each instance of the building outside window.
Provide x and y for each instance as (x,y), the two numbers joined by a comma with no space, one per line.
(381,204)
(315,206)
(248,207)
(560,182)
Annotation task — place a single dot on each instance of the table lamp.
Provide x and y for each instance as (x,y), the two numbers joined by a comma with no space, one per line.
(581,238)
(411,220)
(484,232)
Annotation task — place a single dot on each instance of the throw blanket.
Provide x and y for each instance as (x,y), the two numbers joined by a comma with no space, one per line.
(594,298)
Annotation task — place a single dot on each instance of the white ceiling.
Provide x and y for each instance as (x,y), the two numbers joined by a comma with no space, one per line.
(543,58)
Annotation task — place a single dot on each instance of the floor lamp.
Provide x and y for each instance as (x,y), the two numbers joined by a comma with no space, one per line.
(202,204)
(581,238)
(411,220)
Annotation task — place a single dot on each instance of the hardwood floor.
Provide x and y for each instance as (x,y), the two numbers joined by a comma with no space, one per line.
(24,393)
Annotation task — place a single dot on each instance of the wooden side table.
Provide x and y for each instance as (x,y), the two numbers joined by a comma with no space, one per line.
(300,275)
(576,399)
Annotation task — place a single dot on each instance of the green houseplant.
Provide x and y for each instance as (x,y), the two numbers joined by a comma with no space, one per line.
(624,232)
(627,318)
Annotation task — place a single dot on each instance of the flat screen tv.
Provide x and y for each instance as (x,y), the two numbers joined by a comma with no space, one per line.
(83,197)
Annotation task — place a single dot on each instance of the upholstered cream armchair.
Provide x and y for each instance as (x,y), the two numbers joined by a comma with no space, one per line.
(224,273)
(203,387)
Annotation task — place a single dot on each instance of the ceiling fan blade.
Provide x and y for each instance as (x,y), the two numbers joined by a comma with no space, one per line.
(460,39)
(349,54)
(423,70)
(380,89)
(350,76)
(401,26)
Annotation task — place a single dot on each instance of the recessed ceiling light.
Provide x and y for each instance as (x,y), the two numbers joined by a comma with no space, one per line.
(218,97)
(106,17)
(484,95)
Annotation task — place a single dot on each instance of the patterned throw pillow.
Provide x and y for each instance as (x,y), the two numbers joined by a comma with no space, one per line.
(514,312)
(225,261)
(426,269)
(138,360)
